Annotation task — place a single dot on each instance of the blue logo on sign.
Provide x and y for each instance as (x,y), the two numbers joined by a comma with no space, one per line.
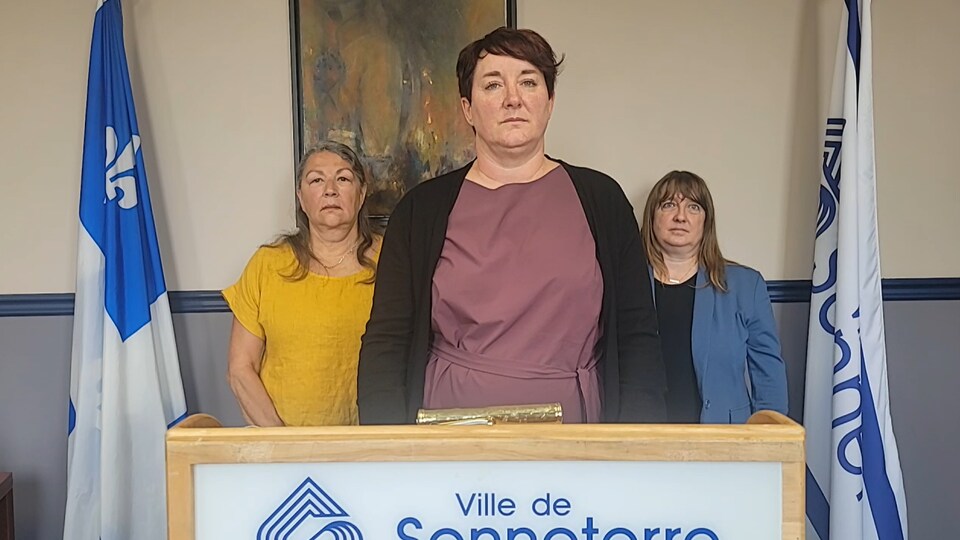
(306,502)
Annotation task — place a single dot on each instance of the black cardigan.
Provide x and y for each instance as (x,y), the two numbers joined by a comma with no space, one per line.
(394,350)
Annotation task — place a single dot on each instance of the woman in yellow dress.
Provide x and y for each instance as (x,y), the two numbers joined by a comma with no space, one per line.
(303,301)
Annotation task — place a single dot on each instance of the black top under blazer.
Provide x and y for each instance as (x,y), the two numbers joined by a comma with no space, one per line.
(394,351)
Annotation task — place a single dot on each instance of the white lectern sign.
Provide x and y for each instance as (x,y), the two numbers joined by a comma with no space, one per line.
(489,501)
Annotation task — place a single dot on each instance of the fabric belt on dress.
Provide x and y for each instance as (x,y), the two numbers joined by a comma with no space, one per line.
(586,376)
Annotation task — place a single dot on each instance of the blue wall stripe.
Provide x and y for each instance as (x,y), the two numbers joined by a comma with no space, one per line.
(793,290)
(200,302)
(781,291)
(54,304)
(31,305)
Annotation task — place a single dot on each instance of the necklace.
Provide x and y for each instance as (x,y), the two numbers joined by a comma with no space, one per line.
(329,267)
(683,277)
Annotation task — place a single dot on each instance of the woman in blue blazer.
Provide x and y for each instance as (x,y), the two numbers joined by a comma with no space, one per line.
(717,331)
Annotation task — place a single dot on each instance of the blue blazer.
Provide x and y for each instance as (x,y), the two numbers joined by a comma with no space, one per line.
(734,343)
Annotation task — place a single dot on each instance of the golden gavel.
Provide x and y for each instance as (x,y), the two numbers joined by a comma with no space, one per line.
(506,414)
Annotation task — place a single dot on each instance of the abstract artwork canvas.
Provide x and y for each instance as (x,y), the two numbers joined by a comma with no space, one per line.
(380,77)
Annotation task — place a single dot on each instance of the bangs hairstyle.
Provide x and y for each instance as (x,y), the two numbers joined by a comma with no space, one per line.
(523,44)
(692,187)
(299,240)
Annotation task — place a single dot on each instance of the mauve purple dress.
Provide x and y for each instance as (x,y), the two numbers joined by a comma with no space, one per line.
(516,301)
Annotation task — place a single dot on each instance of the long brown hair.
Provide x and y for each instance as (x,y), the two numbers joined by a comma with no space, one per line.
(299,240)
(692,187)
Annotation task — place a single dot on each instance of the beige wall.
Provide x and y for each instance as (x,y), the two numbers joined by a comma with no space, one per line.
(917,101)
(211,80)
(733,90)
(725,89)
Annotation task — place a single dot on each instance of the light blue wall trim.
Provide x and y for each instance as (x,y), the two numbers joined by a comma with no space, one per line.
(781,291)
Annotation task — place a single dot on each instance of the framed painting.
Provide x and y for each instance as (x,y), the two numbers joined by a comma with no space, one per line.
(380,77)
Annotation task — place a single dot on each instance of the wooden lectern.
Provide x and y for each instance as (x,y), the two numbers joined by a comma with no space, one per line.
(501,482)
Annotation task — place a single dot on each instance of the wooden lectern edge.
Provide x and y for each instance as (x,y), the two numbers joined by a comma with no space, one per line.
(766,417)
(770,422)
(776,434)
(780,433)
(793,474)
(199,420)
(783,441)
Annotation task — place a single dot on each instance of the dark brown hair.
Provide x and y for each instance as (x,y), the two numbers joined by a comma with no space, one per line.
(299,240)
(692,187)
(523,44)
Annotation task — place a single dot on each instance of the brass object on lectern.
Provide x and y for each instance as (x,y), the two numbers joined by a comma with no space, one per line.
(507,414)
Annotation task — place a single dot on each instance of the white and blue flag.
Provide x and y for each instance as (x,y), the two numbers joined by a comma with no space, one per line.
(125,387)
(854,482)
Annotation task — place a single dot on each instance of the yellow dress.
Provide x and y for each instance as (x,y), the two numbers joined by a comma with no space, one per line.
(311,330)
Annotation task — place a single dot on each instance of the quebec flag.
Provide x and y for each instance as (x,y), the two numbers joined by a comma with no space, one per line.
(125,387)
(854,483)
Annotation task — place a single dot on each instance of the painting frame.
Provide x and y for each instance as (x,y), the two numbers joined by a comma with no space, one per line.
(385,189)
